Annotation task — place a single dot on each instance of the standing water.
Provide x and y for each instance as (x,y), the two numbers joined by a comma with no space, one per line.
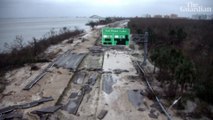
(28,28)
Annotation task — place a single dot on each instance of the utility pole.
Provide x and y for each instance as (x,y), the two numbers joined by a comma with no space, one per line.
(145,47)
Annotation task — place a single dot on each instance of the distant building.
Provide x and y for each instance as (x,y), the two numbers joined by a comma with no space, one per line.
(199,17)
(148,16)
(210,17)
(157,16)
(174,16)
(166,16)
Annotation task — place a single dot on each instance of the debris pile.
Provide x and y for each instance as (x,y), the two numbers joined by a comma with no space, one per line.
(79,77)
(74,102)
(102,114)
(119,71)
(96,49)
(43,113)
(10,111)
(136,98)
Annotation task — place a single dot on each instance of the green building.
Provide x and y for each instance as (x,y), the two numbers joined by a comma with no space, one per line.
(115,36)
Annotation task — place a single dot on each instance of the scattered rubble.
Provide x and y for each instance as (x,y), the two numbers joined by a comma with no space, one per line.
(2,87)
(96,49)
(44,113)
(119,71)
(74,103)
(141,109)
(156,106)
(92,79)
(106,72)
(86,89)
(8,109)
(79,77)
(34,67)
(136,98)
(25,105)
(47,110)
(102,114)
(153,114)
(73,95)
(70,41)
(75,99)
(33,82)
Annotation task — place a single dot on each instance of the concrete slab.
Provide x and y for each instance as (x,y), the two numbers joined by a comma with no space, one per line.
(119,60)
(74,103)
(79,77)
(70,60)
(93,62)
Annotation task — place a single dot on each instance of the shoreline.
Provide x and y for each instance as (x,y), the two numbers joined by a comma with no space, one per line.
(62,83)
(58,83)
(32,53)
(38,28)
(19,77)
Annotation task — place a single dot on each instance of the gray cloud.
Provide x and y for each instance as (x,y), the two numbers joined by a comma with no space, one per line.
(57,8)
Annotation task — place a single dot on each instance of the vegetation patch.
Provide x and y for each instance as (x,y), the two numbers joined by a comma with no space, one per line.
(182,50)
(20,54)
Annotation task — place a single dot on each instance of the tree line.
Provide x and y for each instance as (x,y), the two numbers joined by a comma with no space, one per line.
(20,53)
(180,71)
(182,50)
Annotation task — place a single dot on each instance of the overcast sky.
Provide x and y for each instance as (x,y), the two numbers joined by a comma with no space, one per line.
(62,8)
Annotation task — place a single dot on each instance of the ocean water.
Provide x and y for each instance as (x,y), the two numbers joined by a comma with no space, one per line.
(35,27)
